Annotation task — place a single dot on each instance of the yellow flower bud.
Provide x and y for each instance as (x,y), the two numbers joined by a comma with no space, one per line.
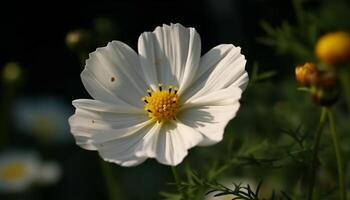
(334,48)
(324,96)
(326,89)
(323,84)
(327,80)
(11,72)
(79,40)
(306,74)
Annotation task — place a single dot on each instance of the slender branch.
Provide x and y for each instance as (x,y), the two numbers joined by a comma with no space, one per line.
(315,152)
(337,148)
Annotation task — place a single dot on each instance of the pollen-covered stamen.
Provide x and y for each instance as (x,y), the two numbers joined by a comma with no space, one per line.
(175,90)
(144,99)
(149,92)
(170,88)
(162,105)
(160,85)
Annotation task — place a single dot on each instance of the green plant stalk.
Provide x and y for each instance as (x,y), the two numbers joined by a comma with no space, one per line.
(177,180)
(298,11)
(337,149)
(112,186)
(315,152)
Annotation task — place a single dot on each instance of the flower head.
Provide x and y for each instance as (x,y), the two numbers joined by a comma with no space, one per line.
(19,170)
(334,48)
(160,102)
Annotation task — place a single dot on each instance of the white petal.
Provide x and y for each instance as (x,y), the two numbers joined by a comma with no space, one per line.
(112,75)
(146,49)
(148,147)
(84,142)
(220,68)
(225,96)
(174,140)
(170,55)
(95,122)
(122,150)
(99,106)
(209,120)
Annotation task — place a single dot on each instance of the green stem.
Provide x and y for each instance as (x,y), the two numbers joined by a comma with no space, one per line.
(337,148)
(112,186)
(345,79)
(315,152)
(177,179)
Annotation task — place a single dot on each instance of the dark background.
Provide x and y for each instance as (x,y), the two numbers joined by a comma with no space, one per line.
(33,34)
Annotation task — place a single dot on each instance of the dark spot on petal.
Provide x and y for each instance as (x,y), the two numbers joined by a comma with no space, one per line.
(157,61)
(112,79)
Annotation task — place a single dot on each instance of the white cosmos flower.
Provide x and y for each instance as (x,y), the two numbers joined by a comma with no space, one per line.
(160,102)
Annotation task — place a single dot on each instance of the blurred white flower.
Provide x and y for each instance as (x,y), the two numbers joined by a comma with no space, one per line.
(20,169)
(160,103)
(44,118)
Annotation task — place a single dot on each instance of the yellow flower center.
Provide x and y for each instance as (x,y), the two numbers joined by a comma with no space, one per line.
(162,105)
(13,171)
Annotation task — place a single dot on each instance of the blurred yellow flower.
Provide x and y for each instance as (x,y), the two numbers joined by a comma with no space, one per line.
(334,48)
